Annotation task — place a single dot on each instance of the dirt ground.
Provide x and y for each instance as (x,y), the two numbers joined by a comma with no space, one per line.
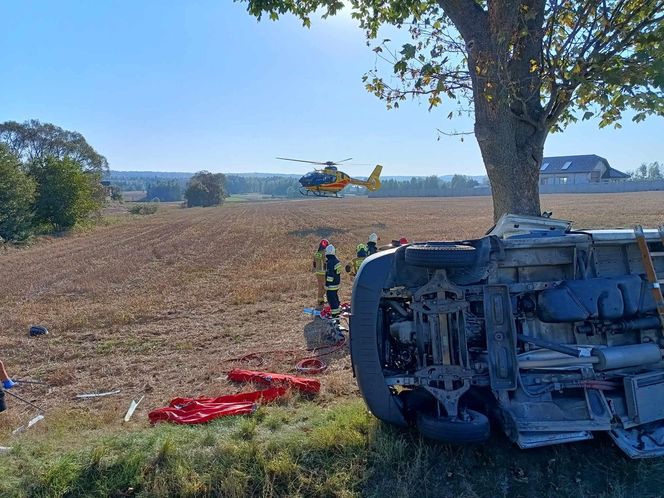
(158,304)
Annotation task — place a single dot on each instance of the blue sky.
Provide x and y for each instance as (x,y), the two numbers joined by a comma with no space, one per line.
(183,86)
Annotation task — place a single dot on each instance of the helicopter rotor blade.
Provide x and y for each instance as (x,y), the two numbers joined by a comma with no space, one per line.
(299,160)
(343,160)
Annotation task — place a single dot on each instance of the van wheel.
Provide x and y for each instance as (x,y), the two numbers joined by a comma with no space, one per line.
(475,429)
(440,255)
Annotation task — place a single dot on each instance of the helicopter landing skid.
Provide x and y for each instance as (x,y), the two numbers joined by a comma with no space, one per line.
(318,193)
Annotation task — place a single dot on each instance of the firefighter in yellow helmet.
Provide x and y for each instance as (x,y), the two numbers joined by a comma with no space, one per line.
(332,280)
(319,270)
(361,252)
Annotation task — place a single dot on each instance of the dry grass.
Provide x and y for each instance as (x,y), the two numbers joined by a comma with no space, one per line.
(156,304)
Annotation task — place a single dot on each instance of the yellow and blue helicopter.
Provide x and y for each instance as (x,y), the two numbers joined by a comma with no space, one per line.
(329,181)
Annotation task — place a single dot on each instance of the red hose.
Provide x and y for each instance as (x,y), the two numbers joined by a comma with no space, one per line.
(311,366)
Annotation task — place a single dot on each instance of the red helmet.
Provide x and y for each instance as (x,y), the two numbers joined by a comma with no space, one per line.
(403,240)
(324,243)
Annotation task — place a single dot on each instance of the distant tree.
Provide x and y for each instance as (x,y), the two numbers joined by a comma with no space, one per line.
(17,192)
(66,193)
(654,171)
(462,181)
(205,189)
(640,173)
(34,140)
(116,193)
(525,67)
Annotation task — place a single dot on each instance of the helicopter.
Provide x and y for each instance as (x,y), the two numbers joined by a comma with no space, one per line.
(329,181)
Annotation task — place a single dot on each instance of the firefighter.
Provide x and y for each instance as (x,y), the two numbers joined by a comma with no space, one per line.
(354,266)
(319,270)
(332,280)
(371,245)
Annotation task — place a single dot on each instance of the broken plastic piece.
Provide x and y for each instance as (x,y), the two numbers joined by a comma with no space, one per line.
(132,408)
(30,424)
(97,395)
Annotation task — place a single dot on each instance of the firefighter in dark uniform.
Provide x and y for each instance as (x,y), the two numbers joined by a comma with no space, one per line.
(319,271)
(372,248)
(332,280)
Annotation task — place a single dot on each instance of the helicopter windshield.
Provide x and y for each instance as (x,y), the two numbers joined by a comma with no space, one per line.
(316,178)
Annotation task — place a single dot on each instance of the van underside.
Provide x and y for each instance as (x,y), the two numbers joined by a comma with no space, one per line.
(551,332)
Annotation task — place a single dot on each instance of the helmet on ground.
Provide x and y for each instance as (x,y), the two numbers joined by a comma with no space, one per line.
(403,240)
(323,244)
(330,250)
(373,238)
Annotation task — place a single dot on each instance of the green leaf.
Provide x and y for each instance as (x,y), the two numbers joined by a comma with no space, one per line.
(408,51)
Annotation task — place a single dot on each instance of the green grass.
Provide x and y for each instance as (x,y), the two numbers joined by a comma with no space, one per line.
(303,449)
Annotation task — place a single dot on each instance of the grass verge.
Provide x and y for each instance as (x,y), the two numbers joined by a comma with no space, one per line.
(303,449)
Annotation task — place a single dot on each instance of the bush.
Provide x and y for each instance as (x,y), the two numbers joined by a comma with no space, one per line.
(17,193)
(144,208)
(66,194)
(205,189)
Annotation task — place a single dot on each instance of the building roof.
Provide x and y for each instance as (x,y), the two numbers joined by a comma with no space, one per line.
(611,173)
(571,164)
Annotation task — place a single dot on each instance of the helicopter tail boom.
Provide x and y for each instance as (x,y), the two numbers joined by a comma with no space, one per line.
(373,182)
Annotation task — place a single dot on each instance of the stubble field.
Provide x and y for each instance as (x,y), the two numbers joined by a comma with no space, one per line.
(158,305)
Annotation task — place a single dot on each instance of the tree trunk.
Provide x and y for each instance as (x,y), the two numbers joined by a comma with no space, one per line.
(512,156)
(502,44)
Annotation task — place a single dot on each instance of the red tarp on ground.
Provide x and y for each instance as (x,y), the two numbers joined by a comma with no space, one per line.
(199,410)
(300,383)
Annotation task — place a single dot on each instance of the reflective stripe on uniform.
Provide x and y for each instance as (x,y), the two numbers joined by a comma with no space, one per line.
(319,263)
(332,287)
(337,267)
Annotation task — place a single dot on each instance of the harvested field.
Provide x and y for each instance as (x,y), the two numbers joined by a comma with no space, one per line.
(156,304)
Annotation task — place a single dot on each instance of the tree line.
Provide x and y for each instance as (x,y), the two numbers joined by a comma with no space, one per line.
(167,189)
(209,189)
(50,179)
(430,186)
(648,172)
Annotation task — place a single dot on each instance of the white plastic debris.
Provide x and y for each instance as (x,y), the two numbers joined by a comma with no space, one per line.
(30,424)
(97,395)
(132,408)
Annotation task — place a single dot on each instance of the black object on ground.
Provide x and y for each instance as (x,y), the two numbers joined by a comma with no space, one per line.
(36,330)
